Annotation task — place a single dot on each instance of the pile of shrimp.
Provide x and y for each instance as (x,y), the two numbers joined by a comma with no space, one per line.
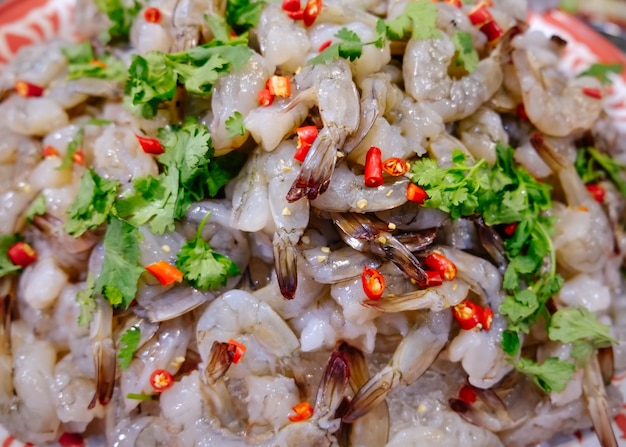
(301,235)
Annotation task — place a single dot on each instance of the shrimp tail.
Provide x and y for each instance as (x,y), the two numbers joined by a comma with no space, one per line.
(105,361)
(220,359)
(595,396)
(285,259)
(487,410)
(317,168)
(332,390)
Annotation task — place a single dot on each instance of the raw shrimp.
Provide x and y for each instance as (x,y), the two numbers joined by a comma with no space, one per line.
(241,316)
(556,105)
(426,79)
(236,92)
(413,356)
(332,89)
(480,132)
(103,353)
(583,238)
(32,116)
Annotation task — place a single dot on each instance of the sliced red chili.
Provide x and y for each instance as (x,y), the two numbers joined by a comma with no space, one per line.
(492,30)
(71,440)
(480,15)
(373,175)
(487,318)
(78,158)
(324,46)
(468,314)
(597,192)
(509,229)
(152,15)
(457,3)
(302,411)
(311,11)
(521,112)
(279,86)
(295,15)
(97,63)
(373,283)
(150,145)
(166,274)
(290,5)
(161,380)
(50,151)
(306,137)
(438,262)
(265,98)
(433,278)
(237,349)
(593,92)
(416,194)
(28,89)
(22,254)
(467,394)
(395,166)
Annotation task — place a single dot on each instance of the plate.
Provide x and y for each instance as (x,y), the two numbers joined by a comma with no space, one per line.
(24,22)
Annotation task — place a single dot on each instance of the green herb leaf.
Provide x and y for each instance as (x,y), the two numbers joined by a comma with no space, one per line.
(73,146)
(86,301)
(92,205)
(466,55)
(570,324)
(6,266)
(242,15)
(552,375)
(128,345)
(121,17)
(140,396)
(601,71)
(223,169)
(419,18)
(350,46)
(37,207)
(235,125)
(202,267)
(120,268)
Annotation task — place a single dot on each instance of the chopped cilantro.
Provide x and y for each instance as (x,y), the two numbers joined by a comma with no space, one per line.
(83,64)
(235,125)
(36,208)
(136,396)
(350,46)
(223,169)
(204,268)
(92,205)
(86,301)
(121,17)
(120,268)
(601,71)
(185,178)
(579,326)
(552,375)
(419,18)
(242,15)
(593,166)
(73,146)
(6,266)
(466,55)
(153,78)
(128,345)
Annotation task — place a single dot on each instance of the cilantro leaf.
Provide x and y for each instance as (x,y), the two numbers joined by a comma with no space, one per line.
(154,77)
(202,267)
(223,169)
(120,268)
(37,208)
(552,375)
(571,324)
(121,18)
(350,46)
(601,71)
(83,64)
(235,125)
(128,345)
(242,15)
(92,205)
(86,301)
(73,146)
(614,169)
(419,18)
(6,266)
(186,178)
(466,55)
